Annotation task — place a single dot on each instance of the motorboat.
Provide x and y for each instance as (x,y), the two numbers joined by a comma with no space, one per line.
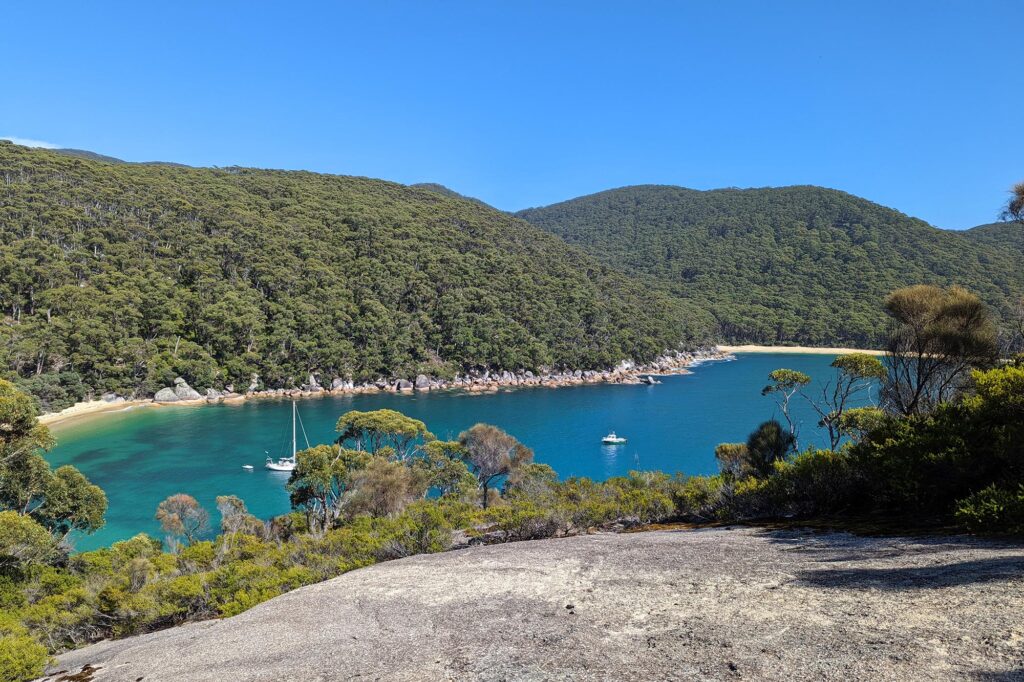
(612,439)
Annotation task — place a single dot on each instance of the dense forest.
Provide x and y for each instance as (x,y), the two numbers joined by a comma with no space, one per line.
(120,277)
(1005,235)
(788,265)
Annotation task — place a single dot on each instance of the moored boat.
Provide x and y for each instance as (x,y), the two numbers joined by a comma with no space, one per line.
(287,463)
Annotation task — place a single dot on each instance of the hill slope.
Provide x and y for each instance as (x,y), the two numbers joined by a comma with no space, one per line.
(782,265)
(1008,236)
(707,604)
(123,276)
(447,192)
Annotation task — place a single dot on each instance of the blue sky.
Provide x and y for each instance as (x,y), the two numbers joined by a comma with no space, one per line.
(916,105)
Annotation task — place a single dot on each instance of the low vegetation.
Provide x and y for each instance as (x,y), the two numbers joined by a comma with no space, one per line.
(387,488)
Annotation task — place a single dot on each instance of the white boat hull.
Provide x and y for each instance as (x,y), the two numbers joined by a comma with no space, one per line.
(281,466)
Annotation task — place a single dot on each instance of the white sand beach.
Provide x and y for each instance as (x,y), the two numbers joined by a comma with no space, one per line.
(798,349)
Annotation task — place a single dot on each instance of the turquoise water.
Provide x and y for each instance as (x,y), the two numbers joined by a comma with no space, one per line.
(141,456)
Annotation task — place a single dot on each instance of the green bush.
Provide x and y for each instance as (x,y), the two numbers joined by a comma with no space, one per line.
(525,521)
(993,509)
(22,658)
(699,498)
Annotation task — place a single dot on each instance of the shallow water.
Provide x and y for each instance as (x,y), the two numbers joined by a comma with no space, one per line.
(141,456)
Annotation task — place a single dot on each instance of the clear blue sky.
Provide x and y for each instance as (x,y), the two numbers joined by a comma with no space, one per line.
(916,105)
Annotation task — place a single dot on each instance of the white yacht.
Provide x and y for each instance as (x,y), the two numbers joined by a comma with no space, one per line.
(287,463)
(612,439)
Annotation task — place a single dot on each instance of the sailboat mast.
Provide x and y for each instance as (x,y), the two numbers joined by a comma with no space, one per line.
(294,451)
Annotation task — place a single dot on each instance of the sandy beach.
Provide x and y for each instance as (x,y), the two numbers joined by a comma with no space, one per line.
(92,408)
(798,349)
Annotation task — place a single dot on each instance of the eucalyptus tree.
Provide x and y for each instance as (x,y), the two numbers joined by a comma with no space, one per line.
(61,501)
(856,374)
(490,454)
(373,431)
(181,516)
(936,337)
(786,383)
(322,477)
(1015,205)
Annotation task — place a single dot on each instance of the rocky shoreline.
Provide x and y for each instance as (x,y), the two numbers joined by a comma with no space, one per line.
(626,372)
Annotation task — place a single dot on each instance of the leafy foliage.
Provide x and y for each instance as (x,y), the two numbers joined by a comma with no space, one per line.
(786,265)
(937,336)
(121,277)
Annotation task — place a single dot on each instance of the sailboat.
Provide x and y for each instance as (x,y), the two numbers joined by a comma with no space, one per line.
(287,463)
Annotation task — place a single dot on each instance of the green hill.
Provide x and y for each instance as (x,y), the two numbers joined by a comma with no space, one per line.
(785,265)
(119,277)
(1002,235)
(447,191)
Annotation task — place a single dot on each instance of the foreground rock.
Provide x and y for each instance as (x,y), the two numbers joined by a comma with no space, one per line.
(718,604)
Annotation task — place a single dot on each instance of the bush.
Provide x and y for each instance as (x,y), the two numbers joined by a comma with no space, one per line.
(993,509)
(422,529)
(699,498)
(526,521)
(22,658)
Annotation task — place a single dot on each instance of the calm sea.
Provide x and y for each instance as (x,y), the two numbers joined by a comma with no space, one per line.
(141,456)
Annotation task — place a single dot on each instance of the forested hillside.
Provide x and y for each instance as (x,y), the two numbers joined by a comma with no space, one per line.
(1009,236)
(119,277)
(787,265)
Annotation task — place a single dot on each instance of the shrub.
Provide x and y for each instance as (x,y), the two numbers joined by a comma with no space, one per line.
(422,529)
(22,658)
(699,498)
(526,521)
(993,509)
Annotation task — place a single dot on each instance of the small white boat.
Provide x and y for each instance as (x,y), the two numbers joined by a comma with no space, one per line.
(247,467)
(287,463)
(612,439)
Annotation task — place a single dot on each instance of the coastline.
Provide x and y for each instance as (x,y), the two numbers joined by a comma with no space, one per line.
(88,409)
(625,373)
(802,350)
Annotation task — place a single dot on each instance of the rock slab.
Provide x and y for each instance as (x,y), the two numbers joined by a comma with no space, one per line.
(687,604)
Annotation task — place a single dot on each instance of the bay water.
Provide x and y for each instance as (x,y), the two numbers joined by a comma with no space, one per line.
(142,455)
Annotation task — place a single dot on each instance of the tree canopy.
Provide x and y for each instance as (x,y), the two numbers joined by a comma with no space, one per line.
(378,429)
(785,265)
(121,277)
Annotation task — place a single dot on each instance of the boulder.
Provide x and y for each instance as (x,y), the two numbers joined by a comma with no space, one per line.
(337,383)
(403,385)
(166,395)
(254,383)
(213,394)
(184,391)
(422,382)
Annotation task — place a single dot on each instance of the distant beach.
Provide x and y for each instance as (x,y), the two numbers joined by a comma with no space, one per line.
(797,349)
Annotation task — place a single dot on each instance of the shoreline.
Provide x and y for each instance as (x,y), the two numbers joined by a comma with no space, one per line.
(797,350)
(625,374)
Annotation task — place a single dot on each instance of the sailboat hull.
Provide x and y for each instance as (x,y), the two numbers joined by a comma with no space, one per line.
(281,466)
